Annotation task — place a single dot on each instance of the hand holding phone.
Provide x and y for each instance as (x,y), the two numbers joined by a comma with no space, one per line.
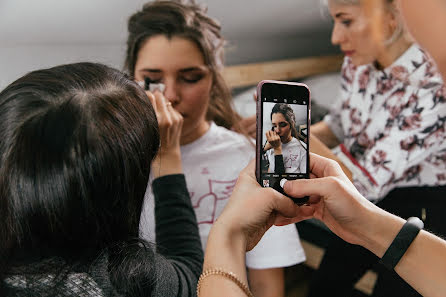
(283,121)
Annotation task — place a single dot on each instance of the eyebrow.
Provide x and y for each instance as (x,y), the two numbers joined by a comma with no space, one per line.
(189,69)
(340,14)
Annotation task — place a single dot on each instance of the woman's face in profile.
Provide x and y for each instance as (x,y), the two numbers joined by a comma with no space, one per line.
(281,127)
(179,64)
(352,31)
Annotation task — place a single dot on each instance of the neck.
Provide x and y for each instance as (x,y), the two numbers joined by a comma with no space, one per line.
(195,133)
(288,139)
(392,52)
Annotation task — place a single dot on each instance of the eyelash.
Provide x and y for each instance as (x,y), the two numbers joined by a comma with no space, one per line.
(346,23)
(192,80)
(186,80)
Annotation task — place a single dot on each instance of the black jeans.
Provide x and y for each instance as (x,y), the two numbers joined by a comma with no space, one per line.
(344,264)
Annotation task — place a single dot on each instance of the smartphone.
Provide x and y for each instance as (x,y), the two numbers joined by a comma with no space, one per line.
(283,130)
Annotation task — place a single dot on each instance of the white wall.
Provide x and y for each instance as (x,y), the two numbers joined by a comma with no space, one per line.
(44,33)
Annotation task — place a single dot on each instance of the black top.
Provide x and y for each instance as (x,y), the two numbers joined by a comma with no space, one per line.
(180,257)
(173,270)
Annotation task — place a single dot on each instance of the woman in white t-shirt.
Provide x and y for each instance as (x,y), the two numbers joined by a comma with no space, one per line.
(179,46)
(285,152)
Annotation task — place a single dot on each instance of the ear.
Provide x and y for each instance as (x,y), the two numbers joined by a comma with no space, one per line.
(395,23)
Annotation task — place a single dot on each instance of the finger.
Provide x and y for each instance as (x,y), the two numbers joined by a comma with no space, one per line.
(303,213)
(321,187)
(151,99)
(268,135)
(161,104)
(289,211)
(323,167)
(177,119)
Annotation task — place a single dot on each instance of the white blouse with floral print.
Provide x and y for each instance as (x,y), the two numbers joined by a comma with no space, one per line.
(391,124)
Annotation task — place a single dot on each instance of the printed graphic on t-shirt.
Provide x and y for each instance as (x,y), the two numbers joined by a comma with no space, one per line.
(206,205)
(291,161)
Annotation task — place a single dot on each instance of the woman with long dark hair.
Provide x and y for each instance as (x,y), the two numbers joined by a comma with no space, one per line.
(76,144)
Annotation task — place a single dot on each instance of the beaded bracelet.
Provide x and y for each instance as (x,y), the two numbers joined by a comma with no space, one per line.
(228,274)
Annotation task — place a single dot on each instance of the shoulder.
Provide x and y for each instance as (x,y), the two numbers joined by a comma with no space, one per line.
(295,143)
(418,69)
(223,136)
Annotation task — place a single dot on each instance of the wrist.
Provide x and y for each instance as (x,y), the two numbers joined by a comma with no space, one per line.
(229,234)
(167,162)
(226,248)
(380,231)
(278,151)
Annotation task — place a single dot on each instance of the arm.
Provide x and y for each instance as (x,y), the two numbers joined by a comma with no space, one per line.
(324,134)
(335,201)
(358,221)
(179,259)
(237,231)
(318,147)
(170,122)
(177,237)
(279,167)
(267,282)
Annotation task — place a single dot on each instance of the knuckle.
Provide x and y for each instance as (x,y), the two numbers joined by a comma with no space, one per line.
(334,182)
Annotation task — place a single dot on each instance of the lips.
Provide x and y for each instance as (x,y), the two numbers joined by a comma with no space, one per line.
(349,53)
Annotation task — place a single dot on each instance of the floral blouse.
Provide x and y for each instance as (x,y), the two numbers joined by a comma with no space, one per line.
(391,124)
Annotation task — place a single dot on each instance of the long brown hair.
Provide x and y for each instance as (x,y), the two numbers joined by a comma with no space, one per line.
(288,114)
(188,20)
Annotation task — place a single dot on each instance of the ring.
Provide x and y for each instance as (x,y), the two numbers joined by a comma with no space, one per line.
(169,104)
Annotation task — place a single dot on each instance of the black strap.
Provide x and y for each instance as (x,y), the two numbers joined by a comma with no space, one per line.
(401,242)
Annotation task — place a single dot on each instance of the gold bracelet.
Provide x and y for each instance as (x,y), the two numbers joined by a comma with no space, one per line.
(228,274)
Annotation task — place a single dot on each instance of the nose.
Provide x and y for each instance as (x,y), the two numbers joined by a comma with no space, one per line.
(172,92)
(337,34)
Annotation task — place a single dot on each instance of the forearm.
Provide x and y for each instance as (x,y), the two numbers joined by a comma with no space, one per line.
(279,167)
(226,251)
(267,282)
(176,225)
(324,134)
(177,238)
(318,147)
(423,266)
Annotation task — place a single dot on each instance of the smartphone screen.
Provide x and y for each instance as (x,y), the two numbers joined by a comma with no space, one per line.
(283,118)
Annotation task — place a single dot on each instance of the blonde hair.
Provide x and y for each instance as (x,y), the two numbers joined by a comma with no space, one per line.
(388,5)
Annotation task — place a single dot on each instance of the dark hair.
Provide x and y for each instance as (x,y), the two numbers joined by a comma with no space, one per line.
(288,113)
(76,145)
(187,20)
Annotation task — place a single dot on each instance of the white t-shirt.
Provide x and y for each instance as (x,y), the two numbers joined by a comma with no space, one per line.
(294,157)
(211,165)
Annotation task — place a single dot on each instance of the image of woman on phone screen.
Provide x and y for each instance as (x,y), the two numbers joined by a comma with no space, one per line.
(286,153)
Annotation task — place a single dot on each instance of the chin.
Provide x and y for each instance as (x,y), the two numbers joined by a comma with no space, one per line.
(359,61)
